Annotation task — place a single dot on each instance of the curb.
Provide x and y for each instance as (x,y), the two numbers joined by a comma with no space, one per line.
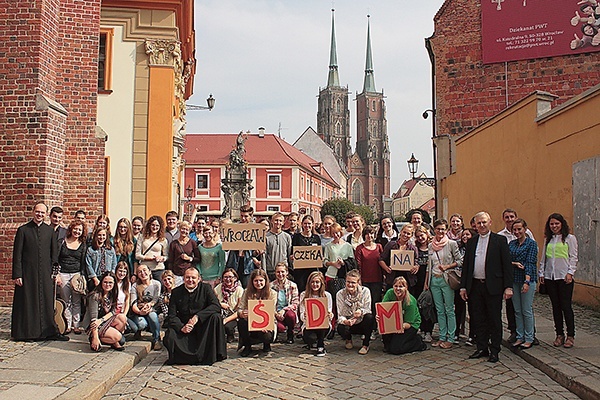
(555,369)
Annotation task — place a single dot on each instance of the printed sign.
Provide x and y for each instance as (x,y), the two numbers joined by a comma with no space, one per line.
(243,236)
(308,257)
(317,316)
(390,317)
(402,260)
(520,30)
(261,315)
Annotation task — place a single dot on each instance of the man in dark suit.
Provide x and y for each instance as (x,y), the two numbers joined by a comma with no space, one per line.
(35,251)
(487,277)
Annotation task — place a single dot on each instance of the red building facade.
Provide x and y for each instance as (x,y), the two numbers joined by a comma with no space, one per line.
(284,178)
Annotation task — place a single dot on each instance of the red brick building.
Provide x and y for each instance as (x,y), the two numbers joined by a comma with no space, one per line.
(284,178)
(467,92)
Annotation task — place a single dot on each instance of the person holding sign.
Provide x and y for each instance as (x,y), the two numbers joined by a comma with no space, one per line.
(406,340)
(287,301)
(306,237)
(314,314)
(443,256)
(195,333)
(229,292)
(354,311)
(258,289)
(403,243)
(367,256)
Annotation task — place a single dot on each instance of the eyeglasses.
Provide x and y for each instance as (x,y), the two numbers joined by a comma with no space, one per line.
(229,277)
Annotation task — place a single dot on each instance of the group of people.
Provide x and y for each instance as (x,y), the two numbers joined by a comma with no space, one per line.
(179,270)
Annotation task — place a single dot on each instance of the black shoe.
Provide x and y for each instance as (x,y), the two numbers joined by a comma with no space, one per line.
(512,338)
(267,347)
(246,351)
(290,340)
(330,335)
(535,341)
(479,354)
(58,337)
(493,358)
(230,338)
(137,335)
(120,348)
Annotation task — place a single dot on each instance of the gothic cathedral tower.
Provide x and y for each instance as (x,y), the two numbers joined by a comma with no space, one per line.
(333,115)
(369,167)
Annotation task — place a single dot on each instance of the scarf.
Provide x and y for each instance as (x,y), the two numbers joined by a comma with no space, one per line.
(354,300)
(438,245)
(227,292)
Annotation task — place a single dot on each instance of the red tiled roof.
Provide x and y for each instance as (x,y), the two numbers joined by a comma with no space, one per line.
(428,206)
(214,148)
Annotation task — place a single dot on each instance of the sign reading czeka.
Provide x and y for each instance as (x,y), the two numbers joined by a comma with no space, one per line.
(243,236)
(402,260)
(308,256)
(317,316)
(261,315)
(390,317)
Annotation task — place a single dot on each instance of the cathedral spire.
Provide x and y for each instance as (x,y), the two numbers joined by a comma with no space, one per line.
(369,85)
(333,78)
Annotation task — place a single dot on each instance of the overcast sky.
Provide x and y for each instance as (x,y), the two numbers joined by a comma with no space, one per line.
(265,60)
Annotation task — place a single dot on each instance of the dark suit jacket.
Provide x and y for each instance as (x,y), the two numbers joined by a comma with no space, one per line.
(498,266)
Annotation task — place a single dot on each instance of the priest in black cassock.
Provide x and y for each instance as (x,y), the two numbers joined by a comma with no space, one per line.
(35,251)
(195,332)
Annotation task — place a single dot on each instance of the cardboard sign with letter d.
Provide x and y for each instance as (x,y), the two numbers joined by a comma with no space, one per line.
(317,316)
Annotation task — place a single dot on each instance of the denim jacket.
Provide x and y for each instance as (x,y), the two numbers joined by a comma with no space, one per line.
(233,261)
(92,261)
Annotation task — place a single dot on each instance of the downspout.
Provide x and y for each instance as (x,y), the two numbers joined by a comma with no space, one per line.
(429,48)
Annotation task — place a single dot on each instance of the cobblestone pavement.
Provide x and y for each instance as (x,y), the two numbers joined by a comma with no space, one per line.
(293,372)
(586,319)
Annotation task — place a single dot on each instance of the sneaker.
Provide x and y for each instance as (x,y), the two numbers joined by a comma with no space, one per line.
(349,344)
(374,335)
(321,352)
(469,342)
(290,340)
(246,351)
(535,341)
(363,350)
(428,338)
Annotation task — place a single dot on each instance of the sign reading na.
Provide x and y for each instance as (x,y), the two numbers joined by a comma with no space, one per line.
(261,315)
(308,257)
(402,260)
(243,236)
(317,316)
(390,317)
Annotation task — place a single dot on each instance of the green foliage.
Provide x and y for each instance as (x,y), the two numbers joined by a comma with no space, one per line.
(338,208)
(367,213)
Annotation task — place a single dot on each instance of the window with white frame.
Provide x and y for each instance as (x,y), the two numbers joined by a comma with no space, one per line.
(274,182)
(202,181)
(273,208)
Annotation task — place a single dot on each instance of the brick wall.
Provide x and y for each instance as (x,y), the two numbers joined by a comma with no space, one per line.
(468,92)
(48,152)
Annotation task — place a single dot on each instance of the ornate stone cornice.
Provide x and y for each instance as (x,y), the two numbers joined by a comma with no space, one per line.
(164,52)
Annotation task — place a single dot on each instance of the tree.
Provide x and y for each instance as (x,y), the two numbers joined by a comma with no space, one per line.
(366,212)
(338,208)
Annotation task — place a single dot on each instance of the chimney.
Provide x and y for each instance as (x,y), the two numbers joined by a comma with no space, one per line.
(261,132)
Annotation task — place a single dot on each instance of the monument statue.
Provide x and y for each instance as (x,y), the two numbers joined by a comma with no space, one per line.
(236,186)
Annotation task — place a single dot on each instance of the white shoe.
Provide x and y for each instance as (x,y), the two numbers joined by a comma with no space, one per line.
(427,338)
(321,352)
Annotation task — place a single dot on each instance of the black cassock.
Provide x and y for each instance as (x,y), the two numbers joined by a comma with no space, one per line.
(34,252)
(206,343)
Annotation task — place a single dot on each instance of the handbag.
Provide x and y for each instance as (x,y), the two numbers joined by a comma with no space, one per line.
(79,284)
(452,278)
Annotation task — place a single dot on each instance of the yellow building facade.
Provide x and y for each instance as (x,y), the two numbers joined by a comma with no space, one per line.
(527,158)
(150,64)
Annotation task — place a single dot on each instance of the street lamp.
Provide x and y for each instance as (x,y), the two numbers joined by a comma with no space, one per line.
(413,167)
(210,102)
(188,195)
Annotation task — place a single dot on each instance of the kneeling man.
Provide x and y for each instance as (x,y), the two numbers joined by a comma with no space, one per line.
(195,333)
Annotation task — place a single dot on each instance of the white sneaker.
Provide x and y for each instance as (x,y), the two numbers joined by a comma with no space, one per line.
(321,352)
(427,338)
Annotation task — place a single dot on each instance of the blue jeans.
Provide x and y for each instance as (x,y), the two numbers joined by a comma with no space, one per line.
(523,303)
(443,297)
(149,321)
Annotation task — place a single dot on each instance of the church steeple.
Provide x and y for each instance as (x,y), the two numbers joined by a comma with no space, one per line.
(333,79)
(369,84)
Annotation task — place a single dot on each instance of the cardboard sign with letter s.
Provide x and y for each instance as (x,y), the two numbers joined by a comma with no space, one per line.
(390,317)
(261,315)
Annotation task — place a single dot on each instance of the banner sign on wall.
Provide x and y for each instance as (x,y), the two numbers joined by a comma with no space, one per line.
(526,29)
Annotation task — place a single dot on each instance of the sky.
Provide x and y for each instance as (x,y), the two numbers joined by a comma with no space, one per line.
(265,60)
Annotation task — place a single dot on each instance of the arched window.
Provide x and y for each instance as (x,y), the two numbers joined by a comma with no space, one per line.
(338,129)
(374,105)
(375,168)
(357,190)
(374,189)
(338,106)
(338,149)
